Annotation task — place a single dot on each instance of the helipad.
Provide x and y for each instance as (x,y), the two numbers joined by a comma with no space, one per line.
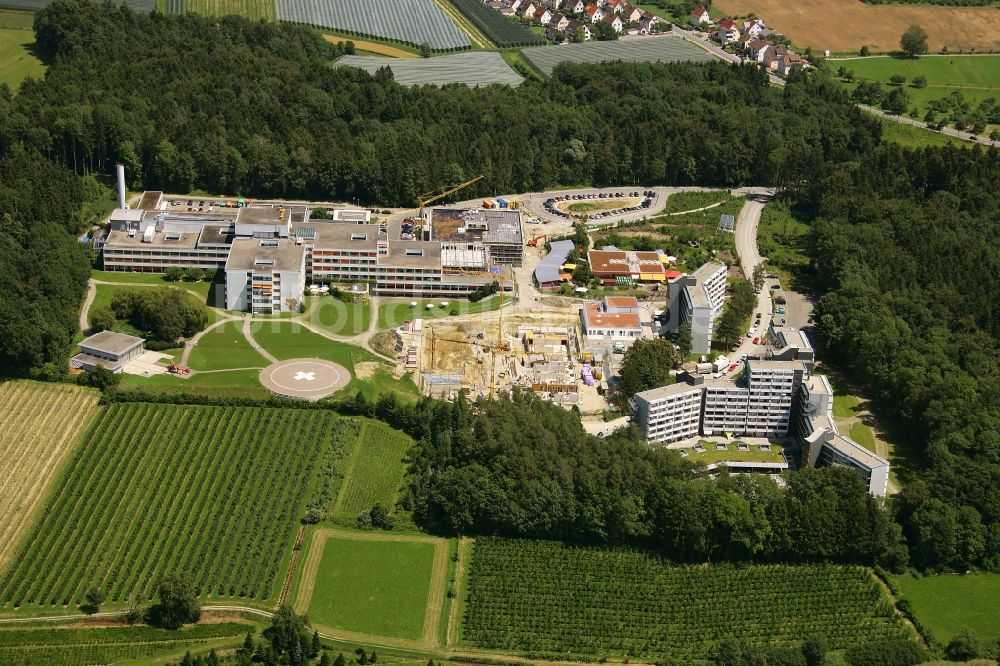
(304,378)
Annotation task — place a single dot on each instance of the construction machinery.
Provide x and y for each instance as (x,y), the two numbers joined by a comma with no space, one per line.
(428,198)
(176,369)
(534,241)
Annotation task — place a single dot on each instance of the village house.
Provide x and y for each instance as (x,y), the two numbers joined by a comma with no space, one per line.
(630,14)
(728,33)
(594,13)
(614,21)
(699,16)
(649,23)
(573,6)
(559,22)
(574,25)
(787,62)
(543,15)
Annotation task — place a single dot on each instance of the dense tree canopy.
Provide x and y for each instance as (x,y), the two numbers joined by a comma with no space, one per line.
(520,466)
(230,105)
(907,254)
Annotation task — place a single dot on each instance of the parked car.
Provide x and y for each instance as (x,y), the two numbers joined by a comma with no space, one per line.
(756,341)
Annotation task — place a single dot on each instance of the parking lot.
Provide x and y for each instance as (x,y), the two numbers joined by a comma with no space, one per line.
(624,203)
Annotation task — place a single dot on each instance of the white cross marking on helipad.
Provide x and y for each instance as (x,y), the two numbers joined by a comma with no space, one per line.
(307,376)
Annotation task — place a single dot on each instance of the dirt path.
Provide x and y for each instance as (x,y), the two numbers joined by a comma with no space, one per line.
(87,302)
(292,566)
(454,616)
(475,35)
(435,596)
(253,343)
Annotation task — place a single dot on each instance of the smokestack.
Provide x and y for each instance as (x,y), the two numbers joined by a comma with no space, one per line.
(120,168)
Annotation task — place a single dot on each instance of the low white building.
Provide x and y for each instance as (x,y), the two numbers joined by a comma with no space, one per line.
(265,275)
(107,349)
(613,319)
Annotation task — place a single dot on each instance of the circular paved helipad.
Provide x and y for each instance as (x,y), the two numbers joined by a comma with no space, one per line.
(304,378)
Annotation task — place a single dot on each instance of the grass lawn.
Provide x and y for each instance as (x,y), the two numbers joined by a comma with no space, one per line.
(239,383)
(596,205)
(17,62)
(863,435)
(845,405)
(374,587)
(681,201)
(252,9)
(393,312)
(287,340)
(733,454)
(120,277)
(338,317)
(909,136)
(948,603)
(225,347)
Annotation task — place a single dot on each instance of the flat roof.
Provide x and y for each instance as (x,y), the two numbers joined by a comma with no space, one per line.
(504,226)
(216,234)
(667,391)
(340,235)
(186,240)
(263,215)
(855,451)
(111,342)
(770,364)
(404,254)
(597,318)
(283,254)
(621,301)
(792,337)
(705,271)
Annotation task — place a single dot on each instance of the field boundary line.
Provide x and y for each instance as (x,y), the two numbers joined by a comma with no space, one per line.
(465,24)
(350,469)
(454,614)
(435,593)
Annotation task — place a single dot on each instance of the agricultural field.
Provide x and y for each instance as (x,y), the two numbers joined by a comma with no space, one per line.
(909,136)
(976,77)
(39,427)
(252,9)
(648,49)
(225,347)
(17,62)
(476,68)
(373,586)
(806,23)
(549,597)
(376,470)
(949,603)
(85,646)
(413,22)
(502,31)
(215,492)
(377,48)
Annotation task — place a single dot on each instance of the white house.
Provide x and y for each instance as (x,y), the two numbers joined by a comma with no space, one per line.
(614,21)
(754,27)
(573,6)
(594,13)
(559,22)
(543,15)
(630,14)
(699,16)
(787,62)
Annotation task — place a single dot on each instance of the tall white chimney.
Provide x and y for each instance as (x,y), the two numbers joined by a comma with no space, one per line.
(120,169)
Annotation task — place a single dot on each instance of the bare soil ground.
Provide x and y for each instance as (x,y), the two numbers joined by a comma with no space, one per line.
(847,25)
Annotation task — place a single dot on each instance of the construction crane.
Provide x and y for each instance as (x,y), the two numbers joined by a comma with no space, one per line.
(442,192)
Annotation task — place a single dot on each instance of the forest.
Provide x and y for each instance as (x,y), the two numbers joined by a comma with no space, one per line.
(906,254)
(239,107)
